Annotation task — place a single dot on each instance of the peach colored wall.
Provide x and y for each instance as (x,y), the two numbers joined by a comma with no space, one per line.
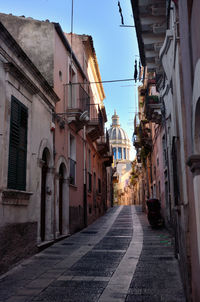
(76,192)
(61,63)
(96,166)
(61,58)
(77,45)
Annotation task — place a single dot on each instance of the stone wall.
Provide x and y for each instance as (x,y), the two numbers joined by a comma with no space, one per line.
(18,241)
(76,218)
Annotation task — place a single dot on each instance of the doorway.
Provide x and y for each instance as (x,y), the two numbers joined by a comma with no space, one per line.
(43,194)
(61,182)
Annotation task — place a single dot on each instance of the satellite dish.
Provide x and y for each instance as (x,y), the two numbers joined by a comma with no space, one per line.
(84,117)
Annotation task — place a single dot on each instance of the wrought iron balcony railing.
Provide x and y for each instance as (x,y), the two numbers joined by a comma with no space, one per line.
(152,109)
(95,125)
(103,143)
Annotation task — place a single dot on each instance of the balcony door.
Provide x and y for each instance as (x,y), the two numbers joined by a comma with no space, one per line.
(72,88)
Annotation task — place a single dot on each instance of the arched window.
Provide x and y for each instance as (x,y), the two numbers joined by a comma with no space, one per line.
(124,153)
(119,153)
(114,152)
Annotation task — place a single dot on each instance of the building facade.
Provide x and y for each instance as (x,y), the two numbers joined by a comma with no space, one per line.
(169,53)
(27,103)
(66,152)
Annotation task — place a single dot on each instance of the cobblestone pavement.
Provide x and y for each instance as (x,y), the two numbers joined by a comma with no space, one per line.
(117,258)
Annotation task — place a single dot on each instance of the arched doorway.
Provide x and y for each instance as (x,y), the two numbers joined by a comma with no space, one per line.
(62,198)
(61,184)
(45,156)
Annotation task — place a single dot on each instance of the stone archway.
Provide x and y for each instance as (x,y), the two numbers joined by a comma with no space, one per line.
(60,202)
(62,197)
(44,171)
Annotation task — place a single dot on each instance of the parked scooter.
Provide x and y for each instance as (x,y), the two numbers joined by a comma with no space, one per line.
(154,216)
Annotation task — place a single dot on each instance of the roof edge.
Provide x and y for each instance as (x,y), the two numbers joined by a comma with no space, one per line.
(136,14)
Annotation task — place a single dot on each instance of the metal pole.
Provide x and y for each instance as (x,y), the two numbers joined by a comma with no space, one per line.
(72,21)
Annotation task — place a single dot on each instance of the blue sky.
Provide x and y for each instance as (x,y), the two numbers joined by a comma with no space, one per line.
(116,47)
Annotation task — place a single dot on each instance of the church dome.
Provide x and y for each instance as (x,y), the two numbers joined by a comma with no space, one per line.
(118,134)
(119,140)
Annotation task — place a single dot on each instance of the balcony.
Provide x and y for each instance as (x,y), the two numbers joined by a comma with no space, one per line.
(153,109)
(103,144)
(78,109)
(142,136)
(108,159)
(145,137)
(95,125)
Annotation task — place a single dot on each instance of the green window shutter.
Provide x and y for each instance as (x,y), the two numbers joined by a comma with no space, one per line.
(18,146)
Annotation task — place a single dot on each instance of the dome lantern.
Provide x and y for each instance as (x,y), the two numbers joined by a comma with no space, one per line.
(115,120)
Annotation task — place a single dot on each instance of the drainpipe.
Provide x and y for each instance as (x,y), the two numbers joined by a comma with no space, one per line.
(54,181)
(84,178)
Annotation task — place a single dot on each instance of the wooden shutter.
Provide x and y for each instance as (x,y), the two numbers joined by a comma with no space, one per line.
(18,146)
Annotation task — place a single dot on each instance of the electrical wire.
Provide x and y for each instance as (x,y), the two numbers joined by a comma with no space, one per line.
(99,82)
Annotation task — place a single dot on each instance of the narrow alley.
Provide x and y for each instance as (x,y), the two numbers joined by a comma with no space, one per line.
(117,258)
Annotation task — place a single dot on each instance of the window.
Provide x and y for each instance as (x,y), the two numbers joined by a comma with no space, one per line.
(119,153)
(72,88)
(89,182)
(72,175)
(164,151)
(114,153)
(124,153)
(99,185)
(114,121)
(89,172)
(18,146)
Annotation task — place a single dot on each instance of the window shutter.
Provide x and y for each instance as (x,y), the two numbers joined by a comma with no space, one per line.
(18,146)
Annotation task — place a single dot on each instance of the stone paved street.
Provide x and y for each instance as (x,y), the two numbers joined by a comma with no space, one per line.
(118,258)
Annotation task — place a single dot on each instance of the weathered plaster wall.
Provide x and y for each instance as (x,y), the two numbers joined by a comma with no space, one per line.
(36,39)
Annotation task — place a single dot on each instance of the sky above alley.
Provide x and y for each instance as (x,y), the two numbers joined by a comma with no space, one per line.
(115,46)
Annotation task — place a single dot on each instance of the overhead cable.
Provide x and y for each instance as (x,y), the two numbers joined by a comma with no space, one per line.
(99,82)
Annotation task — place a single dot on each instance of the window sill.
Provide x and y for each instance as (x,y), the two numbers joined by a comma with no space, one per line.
(73,186)
(15,197)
